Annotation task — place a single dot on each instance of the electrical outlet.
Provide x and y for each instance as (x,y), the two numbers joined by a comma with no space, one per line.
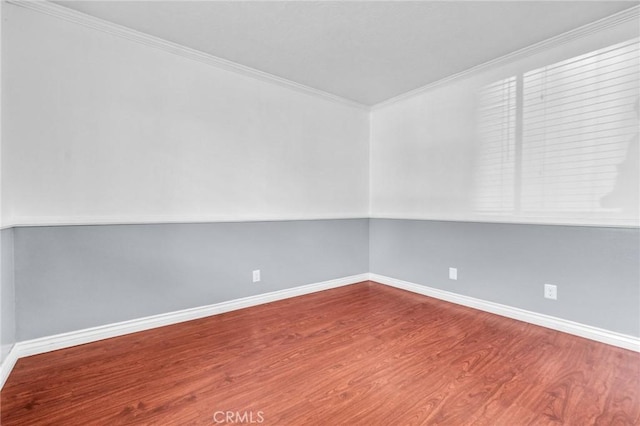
(550,291)
(256,275)
(453,273)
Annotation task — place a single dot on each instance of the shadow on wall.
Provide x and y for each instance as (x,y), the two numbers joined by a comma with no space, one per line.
(562,140)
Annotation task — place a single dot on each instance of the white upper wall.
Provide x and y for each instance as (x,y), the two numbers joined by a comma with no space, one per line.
(100,129)
(455,151)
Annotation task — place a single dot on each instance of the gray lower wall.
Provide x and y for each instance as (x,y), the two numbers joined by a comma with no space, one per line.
(7,294)
(596,269)
(74,277)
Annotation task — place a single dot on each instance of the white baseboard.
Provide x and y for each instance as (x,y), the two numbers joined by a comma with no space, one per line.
(554,323)
(7,365)
(88,335)
(66,340)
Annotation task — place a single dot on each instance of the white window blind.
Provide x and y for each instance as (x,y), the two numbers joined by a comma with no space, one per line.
(496,162)
(558,141)
(578,120)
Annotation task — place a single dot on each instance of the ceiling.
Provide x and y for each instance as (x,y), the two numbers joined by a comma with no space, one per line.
(364,51)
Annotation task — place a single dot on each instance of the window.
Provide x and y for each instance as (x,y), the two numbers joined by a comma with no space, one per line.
(561,140)
(497,132)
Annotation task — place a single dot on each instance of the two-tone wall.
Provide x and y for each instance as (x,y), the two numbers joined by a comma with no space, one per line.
(452,181)
(137,182)
(174,180)
(7,288)
(101,129)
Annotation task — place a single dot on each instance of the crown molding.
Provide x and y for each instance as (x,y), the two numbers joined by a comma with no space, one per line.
(633,13)
(46,7)
(70,15)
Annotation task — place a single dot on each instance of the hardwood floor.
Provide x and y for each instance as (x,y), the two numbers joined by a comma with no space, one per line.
(364,354)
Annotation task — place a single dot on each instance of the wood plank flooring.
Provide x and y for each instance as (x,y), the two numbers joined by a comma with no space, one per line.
(364,354)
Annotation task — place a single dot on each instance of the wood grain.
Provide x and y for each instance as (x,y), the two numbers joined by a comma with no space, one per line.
(364,354)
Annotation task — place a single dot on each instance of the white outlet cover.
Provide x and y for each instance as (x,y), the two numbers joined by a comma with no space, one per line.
(256,275)
(453,273)
(551,291)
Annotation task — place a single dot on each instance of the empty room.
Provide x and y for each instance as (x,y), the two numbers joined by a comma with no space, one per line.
(320,213)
